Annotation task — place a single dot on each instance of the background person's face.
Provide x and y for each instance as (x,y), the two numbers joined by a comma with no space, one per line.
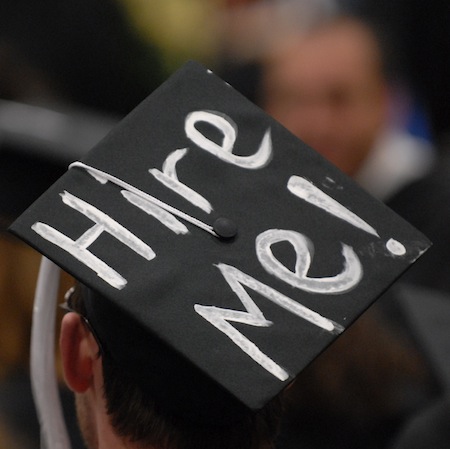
(328,89)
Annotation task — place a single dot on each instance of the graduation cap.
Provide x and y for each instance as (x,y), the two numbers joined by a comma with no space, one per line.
(222,254)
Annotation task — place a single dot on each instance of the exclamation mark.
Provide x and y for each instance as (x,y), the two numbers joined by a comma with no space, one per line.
(307,191)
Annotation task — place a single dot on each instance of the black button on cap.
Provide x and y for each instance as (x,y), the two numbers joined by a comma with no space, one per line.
(225,228)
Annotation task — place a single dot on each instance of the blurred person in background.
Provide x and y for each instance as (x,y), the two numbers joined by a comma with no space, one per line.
(68,70)
(330,86)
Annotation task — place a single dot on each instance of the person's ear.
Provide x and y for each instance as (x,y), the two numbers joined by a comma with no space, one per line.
(78,353)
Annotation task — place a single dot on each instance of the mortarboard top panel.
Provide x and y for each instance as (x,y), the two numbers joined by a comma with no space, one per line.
(285,254)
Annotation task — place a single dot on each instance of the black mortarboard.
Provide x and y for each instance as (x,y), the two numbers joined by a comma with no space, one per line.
(210,232)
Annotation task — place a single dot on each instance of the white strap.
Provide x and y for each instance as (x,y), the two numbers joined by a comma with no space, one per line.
(102,176)
(43,373)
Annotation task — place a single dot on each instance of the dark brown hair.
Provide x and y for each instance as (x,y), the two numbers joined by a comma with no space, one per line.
(137,417)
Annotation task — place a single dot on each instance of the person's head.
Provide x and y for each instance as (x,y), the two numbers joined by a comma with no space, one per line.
(328,87)
(114,408)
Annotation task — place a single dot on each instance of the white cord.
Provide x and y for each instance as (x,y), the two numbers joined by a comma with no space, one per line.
(43,373)
(178,213)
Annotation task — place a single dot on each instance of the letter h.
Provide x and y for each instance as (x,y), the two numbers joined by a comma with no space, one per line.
(79,248)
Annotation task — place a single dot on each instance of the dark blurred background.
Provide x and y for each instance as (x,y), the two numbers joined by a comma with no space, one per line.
(365,82)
